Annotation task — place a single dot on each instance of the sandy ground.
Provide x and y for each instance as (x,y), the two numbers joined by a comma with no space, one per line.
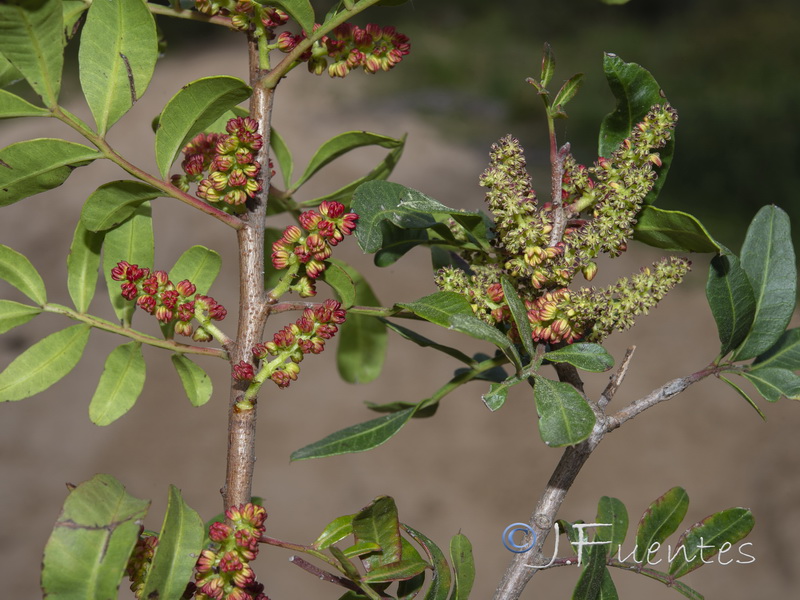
(464,470)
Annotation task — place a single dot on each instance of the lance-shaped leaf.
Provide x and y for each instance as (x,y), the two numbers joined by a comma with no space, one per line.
(660,520)
(92,541)
(424,342)
(8,73)
(592,576)
(83,265)
(785,354)
(362,339)
(565,94)
(113,202)
(191,110)
(589,357)
(179,545)
(118,52)
(774,383)
(439,307)
(711,536)
(283,156)
(463,567)
(132,242)
(357,438)
(441,578)
(744,395)
(612,512)
(378,524)
(340,145)
(196,382)
(13,314)
(768,259)
(198,264)
(408,567)
(73,11)
(672,230)
(565,418)
(336,276)
(730,297)
(519,314)
(120,384)
(548,65)
(12,105)
(34,166)
(44,363)
(32,39)
(480,330)
(636,92)
(336,530)
(17,270)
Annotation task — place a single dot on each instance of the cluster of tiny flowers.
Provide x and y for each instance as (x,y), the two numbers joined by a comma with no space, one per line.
(308,247)
(246,15)
(140,561)
(168,302)
(307,335)
(349,47)
(223,570)
(600,205)
(223,165)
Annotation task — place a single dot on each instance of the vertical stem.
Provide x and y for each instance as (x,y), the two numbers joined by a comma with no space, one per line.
(253,307)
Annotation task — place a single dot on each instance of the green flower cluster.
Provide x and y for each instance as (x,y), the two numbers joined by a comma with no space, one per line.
(599,208)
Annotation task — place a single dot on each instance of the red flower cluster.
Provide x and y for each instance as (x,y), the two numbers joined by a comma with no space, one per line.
(245,13)
(170,303)
(224,165)
(307,335)
(551,318)
(223,571)
(323,230)
(373,48)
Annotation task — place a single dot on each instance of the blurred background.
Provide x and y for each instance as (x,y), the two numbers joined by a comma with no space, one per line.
(728,67)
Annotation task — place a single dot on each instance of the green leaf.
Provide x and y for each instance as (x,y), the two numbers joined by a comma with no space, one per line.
(565,418)
(33,166)
(179,545)
(480,330)
(132,242)
(684,589)
(17,270)
(337,277)
(378,201)
(611,511)
(463,566)
(592,574)
(117,57)
(404,569)
(336,530)
(83,264)
(768,259)
(566,93)
(43,364)
(424,342)
(361,548)
(785,354)
(519,314)
(198,264)
(742,393)
(397,242)
(672,230)
(498,393)
(714,534)
(774,383)
(283,156)
(92,540)
(120,384)
(14,314)
(196,382)
(439,307)
(32,39)
(342,144)
(12,105)
(73,11)
(191,110)
(440,580)
(378,524)
(548,65)
(8,73)
(112,203)
(356,438)
(362,339)
(589,357)
(660,520)
(608,591)
(300,10)
(731,300)
(636,92)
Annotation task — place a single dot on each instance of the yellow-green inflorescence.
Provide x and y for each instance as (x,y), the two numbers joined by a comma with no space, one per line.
(600,205)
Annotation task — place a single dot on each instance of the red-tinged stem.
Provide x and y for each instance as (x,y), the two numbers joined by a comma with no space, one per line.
(189,14)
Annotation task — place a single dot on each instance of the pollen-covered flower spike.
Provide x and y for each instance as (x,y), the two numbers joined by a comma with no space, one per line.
(223,569)
(175,304)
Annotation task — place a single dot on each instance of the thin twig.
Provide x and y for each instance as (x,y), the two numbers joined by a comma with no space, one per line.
(323,574)
(616,379)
